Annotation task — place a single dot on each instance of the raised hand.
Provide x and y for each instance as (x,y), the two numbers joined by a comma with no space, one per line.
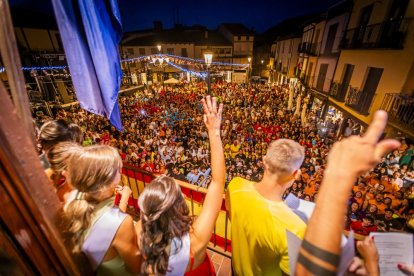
(356,155)
(212,115)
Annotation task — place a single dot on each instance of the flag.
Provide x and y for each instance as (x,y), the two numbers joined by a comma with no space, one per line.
(90,32)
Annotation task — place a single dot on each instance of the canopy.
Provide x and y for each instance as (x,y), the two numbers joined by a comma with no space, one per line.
(171,81)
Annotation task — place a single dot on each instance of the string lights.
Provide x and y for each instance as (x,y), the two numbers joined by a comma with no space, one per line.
(172,61)
(195,73)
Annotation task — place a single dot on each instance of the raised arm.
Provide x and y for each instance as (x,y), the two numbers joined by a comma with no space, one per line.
(204,224)
(348,159)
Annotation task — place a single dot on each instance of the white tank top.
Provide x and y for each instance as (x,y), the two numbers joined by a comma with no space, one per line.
(179,256)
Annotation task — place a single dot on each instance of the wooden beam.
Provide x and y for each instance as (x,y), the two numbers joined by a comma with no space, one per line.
(12,63)
(27,199)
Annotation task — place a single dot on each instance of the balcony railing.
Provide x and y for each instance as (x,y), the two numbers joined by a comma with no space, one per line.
(308,48)
(138,179)
(387,35)
(338,91)
(358,101)
(400,108)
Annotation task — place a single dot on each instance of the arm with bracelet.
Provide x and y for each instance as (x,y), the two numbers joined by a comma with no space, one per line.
(347,160)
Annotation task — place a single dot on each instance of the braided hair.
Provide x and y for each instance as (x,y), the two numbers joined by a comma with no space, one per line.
(164,215)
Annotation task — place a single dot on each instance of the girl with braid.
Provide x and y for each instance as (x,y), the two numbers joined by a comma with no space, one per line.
(170,241)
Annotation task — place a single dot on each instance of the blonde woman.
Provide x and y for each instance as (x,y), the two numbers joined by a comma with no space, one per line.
(170,241)
(92,225)
(58,157)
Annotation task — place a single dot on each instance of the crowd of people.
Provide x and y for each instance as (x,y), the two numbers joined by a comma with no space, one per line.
(164,134)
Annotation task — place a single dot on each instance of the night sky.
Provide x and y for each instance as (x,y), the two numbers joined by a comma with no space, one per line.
(260,15)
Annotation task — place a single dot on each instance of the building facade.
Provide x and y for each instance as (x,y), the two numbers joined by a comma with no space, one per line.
(375,67)
(242,40)
(286,57)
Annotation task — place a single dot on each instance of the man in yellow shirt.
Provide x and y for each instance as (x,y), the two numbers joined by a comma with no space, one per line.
(259,216)
(234,149)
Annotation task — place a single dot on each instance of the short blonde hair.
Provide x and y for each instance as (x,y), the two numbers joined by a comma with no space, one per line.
(284,156)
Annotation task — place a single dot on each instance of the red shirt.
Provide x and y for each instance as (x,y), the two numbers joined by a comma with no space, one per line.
(359,229)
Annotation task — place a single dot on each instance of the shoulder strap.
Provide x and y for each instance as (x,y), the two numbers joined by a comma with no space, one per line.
(101,235)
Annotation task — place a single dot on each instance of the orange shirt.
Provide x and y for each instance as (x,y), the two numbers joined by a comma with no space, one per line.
(359,200)
(305,177)
(381,206)
(357,189)
(369,196)
(310,188)
(388,186)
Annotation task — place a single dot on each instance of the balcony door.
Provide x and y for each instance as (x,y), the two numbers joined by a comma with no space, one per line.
(392,24)
(371,83)
(363,23)
(331,38)
(321,77)
(346,79)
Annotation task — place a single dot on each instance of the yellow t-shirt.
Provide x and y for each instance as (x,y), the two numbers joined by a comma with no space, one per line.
(234,149)
(258,231)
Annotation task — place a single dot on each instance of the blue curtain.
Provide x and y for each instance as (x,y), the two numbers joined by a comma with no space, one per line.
(91,31)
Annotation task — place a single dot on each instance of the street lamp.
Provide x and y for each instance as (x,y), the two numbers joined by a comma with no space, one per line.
(249,59)
(159,48)
(261,67)
(208,58)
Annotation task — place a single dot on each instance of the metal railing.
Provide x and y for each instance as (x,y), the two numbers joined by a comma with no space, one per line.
(358,101)
(400,108)
(138,179)
(390,35)
(338,91)
(308,48)
(319,83)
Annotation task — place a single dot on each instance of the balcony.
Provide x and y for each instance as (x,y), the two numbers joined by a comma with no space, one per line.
(338,91)
(358,101)
(308,48)
(385,35)
(400,108)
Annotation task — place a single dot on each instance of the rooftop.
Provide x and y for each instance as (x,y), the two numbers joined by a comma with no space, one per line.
(237,29)
(178,35)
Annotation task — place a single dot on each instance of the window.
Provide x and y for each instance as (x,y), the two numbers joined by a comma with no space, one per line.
(184,52)
(153,51)
(239,37)
(130,51)
(170,51)
(247,38)
(142,51)
(228,51)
